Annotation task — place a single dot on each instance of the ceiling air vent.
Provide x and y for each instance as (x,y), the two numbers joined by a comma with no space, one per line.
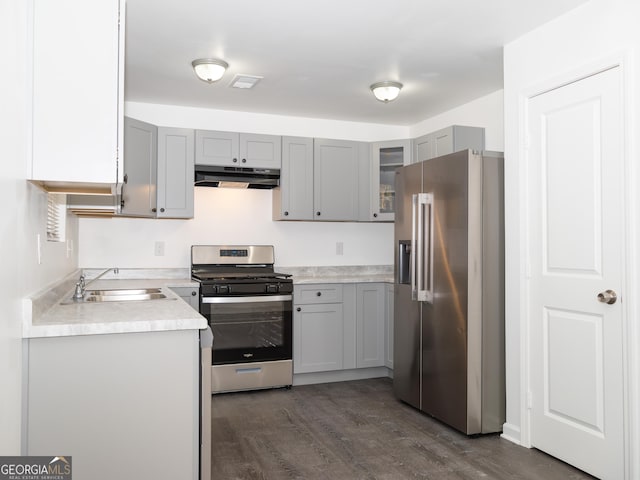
(244,81)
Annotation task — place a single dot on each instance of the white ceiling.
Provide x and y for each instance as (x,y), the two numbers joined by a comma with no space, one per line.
(318,58)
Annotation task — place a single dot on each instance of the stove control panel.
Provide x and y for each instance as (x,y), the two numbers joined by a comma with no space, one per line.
(238,289)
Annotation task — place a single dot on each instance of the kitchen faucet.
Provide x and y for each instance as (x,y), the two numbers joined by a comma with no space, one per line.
(81,285)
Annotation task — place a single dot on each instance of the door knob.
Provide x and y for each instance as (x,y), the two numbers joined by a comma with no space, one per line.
(608,296)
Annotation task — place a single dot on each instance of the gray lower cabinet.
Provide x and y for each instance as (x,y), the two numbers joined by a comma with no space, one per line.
(158,171)
(122,405)
(318,343)
(388,325)
(189,295)
(339,327)
(318,328)
(447,140)
(370,325)
(238,149)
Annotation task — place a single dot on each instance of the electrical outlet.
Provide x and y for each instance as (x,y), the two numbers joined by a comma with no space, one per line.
(339,248)
(69,247)
(39,248)
(159,249)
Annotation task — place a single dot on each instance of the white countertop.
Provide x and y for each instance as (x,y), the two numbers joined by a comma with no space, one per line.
(340,274)
(50,314)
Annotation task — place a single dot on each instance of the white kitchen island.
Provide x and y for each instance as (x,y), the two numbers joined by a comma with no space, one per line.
(114,385)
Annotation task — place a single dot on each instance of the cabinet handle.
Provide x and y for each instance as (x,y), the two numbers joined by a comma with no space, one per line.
(286,214)
(162,210)
(126,178)
(318,213)
(375,215)
(298,309)
(319,294)
(235,160)
(154,210)
(244,160)
(194,293)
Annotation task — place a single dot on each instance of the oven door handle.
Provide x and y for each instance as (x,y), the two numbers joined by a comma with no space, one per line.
(256,299)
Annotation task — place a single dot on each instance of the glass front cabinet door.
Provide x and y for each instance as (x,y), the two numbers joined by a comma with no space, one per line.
(387,157)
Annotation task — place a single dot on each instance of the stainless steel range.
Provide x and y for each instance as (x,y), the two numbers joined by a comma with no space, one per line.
(250,310)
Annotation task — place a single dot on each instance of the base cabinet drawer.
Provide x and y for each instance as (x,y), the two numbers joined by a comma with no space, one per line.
(317,293)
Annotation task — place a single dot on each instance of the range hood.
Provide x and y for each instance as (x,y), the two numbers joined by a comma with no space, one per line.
(236,177)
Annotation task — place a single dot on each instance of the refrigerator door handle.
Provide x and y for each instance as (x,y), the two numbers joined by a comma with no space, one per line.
(415,245)
(425,220)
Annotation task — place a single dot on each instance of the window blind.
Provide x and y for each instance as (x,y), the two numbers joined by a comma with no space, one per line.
(56,217)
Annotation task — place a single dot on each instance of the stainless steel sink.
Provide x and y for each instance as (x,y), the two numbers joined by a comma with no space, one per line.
(119,295)
(123,291)
(124,297)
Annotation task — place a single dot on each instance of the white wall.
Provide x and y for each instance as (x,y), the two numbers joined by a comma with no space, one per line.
(596,32)
(23,216)
(487,112)
(228,216)
(209,119)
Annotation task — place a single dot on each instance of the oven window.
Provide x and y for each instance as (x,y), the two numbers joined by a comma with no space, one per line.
(250,331)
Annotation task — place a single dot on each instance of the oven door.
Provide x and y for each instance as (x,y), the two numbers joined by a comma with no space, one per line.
(249,329)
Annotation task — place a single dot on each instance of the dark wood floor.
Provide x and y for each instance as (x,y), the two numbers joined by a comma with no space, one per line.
(357,430)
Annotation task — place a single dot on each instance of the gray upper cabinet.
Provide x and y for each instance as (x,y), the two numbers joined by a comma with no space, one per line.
(386,157)
(336,175)
(262,151)
(422,148)
(448,140)
(293,199)
(322,179)
(238,149)
(140,168)
(158,171)
(217,148)
(175,173)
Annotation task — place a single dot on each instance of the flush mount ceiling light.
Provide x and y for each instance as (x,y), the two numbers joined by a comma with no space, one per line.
(386,91)
(209,69)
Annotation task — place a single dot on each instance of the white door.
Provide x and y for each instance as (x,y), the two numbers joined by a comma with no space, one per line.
(575,168)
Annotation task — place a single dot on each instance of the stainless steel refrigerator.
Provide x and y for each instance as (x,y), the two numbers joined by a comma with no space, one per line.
(449,289)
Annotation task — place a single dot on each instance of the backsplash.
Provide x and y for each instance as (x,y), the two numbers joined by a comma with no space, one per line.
(236,217)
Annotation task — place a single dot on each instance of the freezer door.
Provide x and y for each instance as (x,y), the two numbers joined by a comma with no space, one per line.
(407,325)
